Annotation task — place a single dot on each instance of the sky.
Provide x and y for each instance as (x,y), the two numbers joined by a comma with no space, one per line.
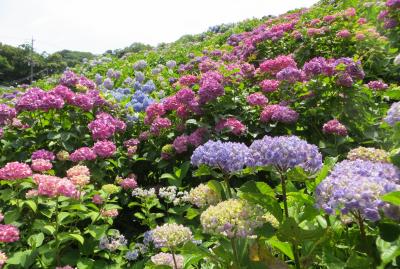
(98,25)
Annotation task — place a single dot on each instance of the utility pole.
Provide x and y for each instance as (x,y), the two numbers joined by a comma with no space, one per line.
(31,61)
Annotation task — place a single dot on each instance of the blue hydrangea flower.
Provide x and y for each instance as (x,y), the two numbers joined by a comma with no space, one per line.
(98,79)
(139,76)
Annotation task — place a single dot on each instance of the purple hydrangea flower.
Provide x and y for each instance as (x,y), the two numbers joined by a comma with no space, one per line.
(393,114)
(355,187)
(228,156)
(285,152)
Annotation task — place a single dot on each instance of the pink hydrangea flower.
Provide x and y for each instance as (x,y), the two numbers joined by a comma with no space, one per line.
(273,66)
(104,149)
(41,165)
(15,170)
(343,33)
(197,137)
(269,85)
(52,186)
(377,85)
(334,127)
(83,154)
(129,183)
(180,143)
(154,111)
(104,126)
(160,124)
(278,113)
(257,99)
(79,175)
(188,80)
(97,199)
(232,124)
(8,233)
(111,213)
(43,154)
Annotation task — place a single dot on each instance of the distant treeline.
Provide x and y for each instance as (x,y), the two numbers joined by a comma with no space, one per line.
(15,63)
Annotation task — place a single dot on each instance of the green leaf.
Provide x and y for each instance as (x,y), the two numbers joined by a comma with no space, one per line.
(31,204)
(297,174)
(216,186)
(11,216)
(389,231)
(36,240)
(23,259)
(77,237)
(49,229)
(192,213)
(392,197)
(97,231)
(284,247)
(62,216)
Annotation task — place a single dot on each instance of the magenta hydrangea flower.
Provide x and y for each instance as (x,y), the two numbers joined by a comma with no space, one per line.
(290,74)
(83,101)
(6,113)
(31,100)
(105,126)
(64,92)
(343,33)
(43,154)
(154,111)
(185,96)
(170,103)
(273,66)
(160,124)
(257,99)
(211,86)
(231,124)
(278,113)
(269,85)
(104,149)
(188,80)
(41,165)
(82,154)
(197,137)
(69,79)
(180,143)
(8,233)
(377,85)
(334,127)
(15,170)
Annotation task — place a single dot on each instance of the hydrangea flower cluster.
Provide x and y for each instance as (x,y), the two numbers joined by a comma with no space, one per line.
(257,99)
(188,80)
(232,218)
(334,127)
(105,126)
(202,196)
(355,187)
(159,124)
(273,66)
(195,139)
(109,213)
(211,86)
(83,154)
(140,65)
(113,242)
(15,170)
(79,175)
(291,75)
(8,233)
(393,114)
(166,259)
(278,113)
(369,154)
(227,156)
(6,114)
(139,101)
(171,235)
(52,186)
(377,85)
(43,154)
(129,183)
(41,165)
(269,85)
(285,152)
(231,124)
(144,193)
(104,149)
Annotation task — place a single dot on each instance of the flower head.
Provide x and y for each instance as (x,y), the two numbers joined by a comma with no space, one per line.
(232,218)
(8,233)
(393,114)
(104,149)
(15,170)
(202,196)
(167,259)
(334,127)
(369,154)
(171,235)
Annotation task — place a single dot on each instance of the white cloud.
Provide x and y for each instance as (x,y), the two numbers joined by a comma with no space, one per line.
(98,25)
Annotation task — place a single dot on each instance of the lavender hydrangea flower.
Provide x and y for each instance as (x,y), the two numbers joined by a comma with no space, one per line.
(393,114)
(285,152)
(355,187)
(228,156)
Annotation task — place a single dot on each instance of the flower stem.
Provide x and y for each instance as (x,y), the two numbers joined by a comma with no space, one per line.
(173,257)
(56,234)
(286,210)
(235,253)
(228,189)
